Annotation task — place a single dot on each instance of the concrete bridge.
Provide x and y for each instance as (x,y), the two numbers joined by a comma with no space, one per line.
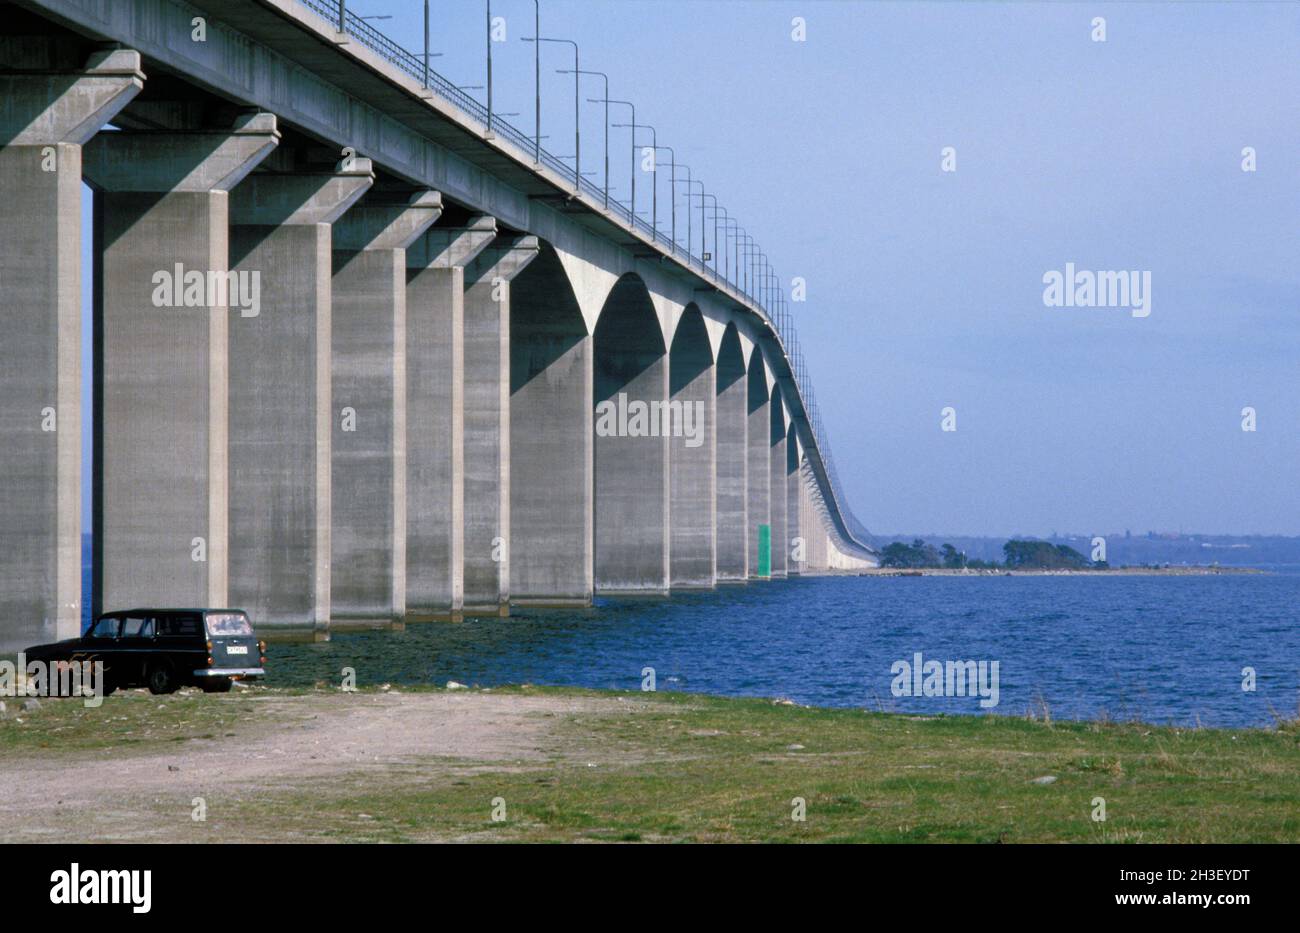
(360,357)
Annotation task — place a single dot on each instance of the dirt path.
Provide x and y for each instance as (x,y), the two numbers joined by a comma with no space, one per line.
(297,739)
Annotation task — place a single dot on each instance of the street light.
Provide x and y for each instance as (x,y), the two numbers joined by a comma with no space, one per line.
(703,195)
(632,209)
(728,225)
(719,209)
(704,245)
(605,77)
(577,118)
(427,53)
(488,6)
(689,182)
(654,184)
(673,184)
(537,83)
(748,246)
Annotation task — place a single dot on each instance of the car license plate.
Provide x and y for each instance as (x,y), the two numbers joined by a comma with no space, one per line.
(237,649)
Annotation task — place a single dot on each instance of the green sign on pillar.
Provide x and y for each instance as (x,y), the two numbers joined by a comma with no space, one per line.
(765,550)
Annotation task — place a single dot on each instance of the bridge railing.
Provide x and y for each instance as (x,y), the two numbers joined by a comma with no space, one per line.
(414,65)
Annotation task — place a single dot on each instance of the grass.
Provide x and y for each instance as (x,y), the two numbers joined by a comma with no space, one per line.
(131,722)
(693,768)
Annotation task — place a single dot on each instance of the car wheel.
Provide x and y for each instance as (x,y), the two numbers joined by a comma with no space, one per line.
(217,685)
(162,679)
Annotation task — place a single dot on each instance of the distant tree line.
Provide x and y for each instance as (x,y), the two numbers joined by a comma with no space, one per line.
(1018,554)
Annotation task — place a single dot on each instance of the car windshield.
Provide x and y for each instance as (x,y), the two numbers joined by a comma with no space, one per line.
(228,623)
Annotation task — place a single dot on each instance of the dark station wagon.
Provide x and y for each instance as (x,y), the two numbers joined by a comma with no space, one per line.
(164,649)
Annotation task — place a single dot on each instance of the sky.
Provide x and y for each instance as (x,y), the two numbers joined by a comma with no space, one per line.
(924,286)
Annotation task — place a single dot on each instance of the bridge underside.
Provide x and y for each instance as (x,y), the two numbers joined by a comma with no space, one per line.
(350,371)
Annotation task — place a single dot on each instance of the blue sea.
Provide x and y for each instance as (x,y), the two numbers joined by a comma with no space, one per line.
(1163,649)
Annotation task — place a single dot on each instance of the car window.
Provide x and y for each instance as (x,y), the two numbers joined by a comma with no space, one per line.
(181,626)
(105,628)
(133,626)
(228,623)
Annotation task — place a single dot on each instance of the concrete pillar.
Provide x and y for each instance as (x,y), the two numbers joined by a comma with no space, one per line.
(795,549)
(435,451)
(692,456)
(368,370)
(162,306)
(487,423)
(817,538)
(759,478)
(45,119)
(732,421)
(776,488)
(281,417)
(631,376)
(551,442)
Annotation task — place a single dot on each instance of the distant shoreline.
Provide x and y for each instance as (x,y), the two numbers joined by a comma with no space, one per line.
(1190,571)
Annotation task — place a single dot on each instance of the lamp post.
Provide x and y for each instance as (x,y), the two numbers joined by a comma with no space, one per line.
(744,242)
(715,225)
(577,118)
(427,54)
(654,181)
(672,176)
(726,244)
(774,296)
(537,83)
(688,182)
(489,65)
(729,225)
(604,77)
(704,246)
(632,206)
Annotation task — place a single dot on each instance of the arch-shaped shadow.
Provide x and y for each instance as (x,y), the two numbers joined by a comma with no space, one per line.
(732,460)
(631,452)
(628,338)
(759,479)
(691,451)
(550,438)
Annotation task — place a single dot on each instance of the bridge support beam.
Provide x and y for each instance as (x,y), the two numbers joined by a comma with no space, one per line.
(632,505)
(778,507)
(280,408)
(435,445)
(487,423)
(759,471)
(161,358)
(45,119)
(795,546)
(692,456)
(368,368)
(732,421)
(815,523)
(551,442)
